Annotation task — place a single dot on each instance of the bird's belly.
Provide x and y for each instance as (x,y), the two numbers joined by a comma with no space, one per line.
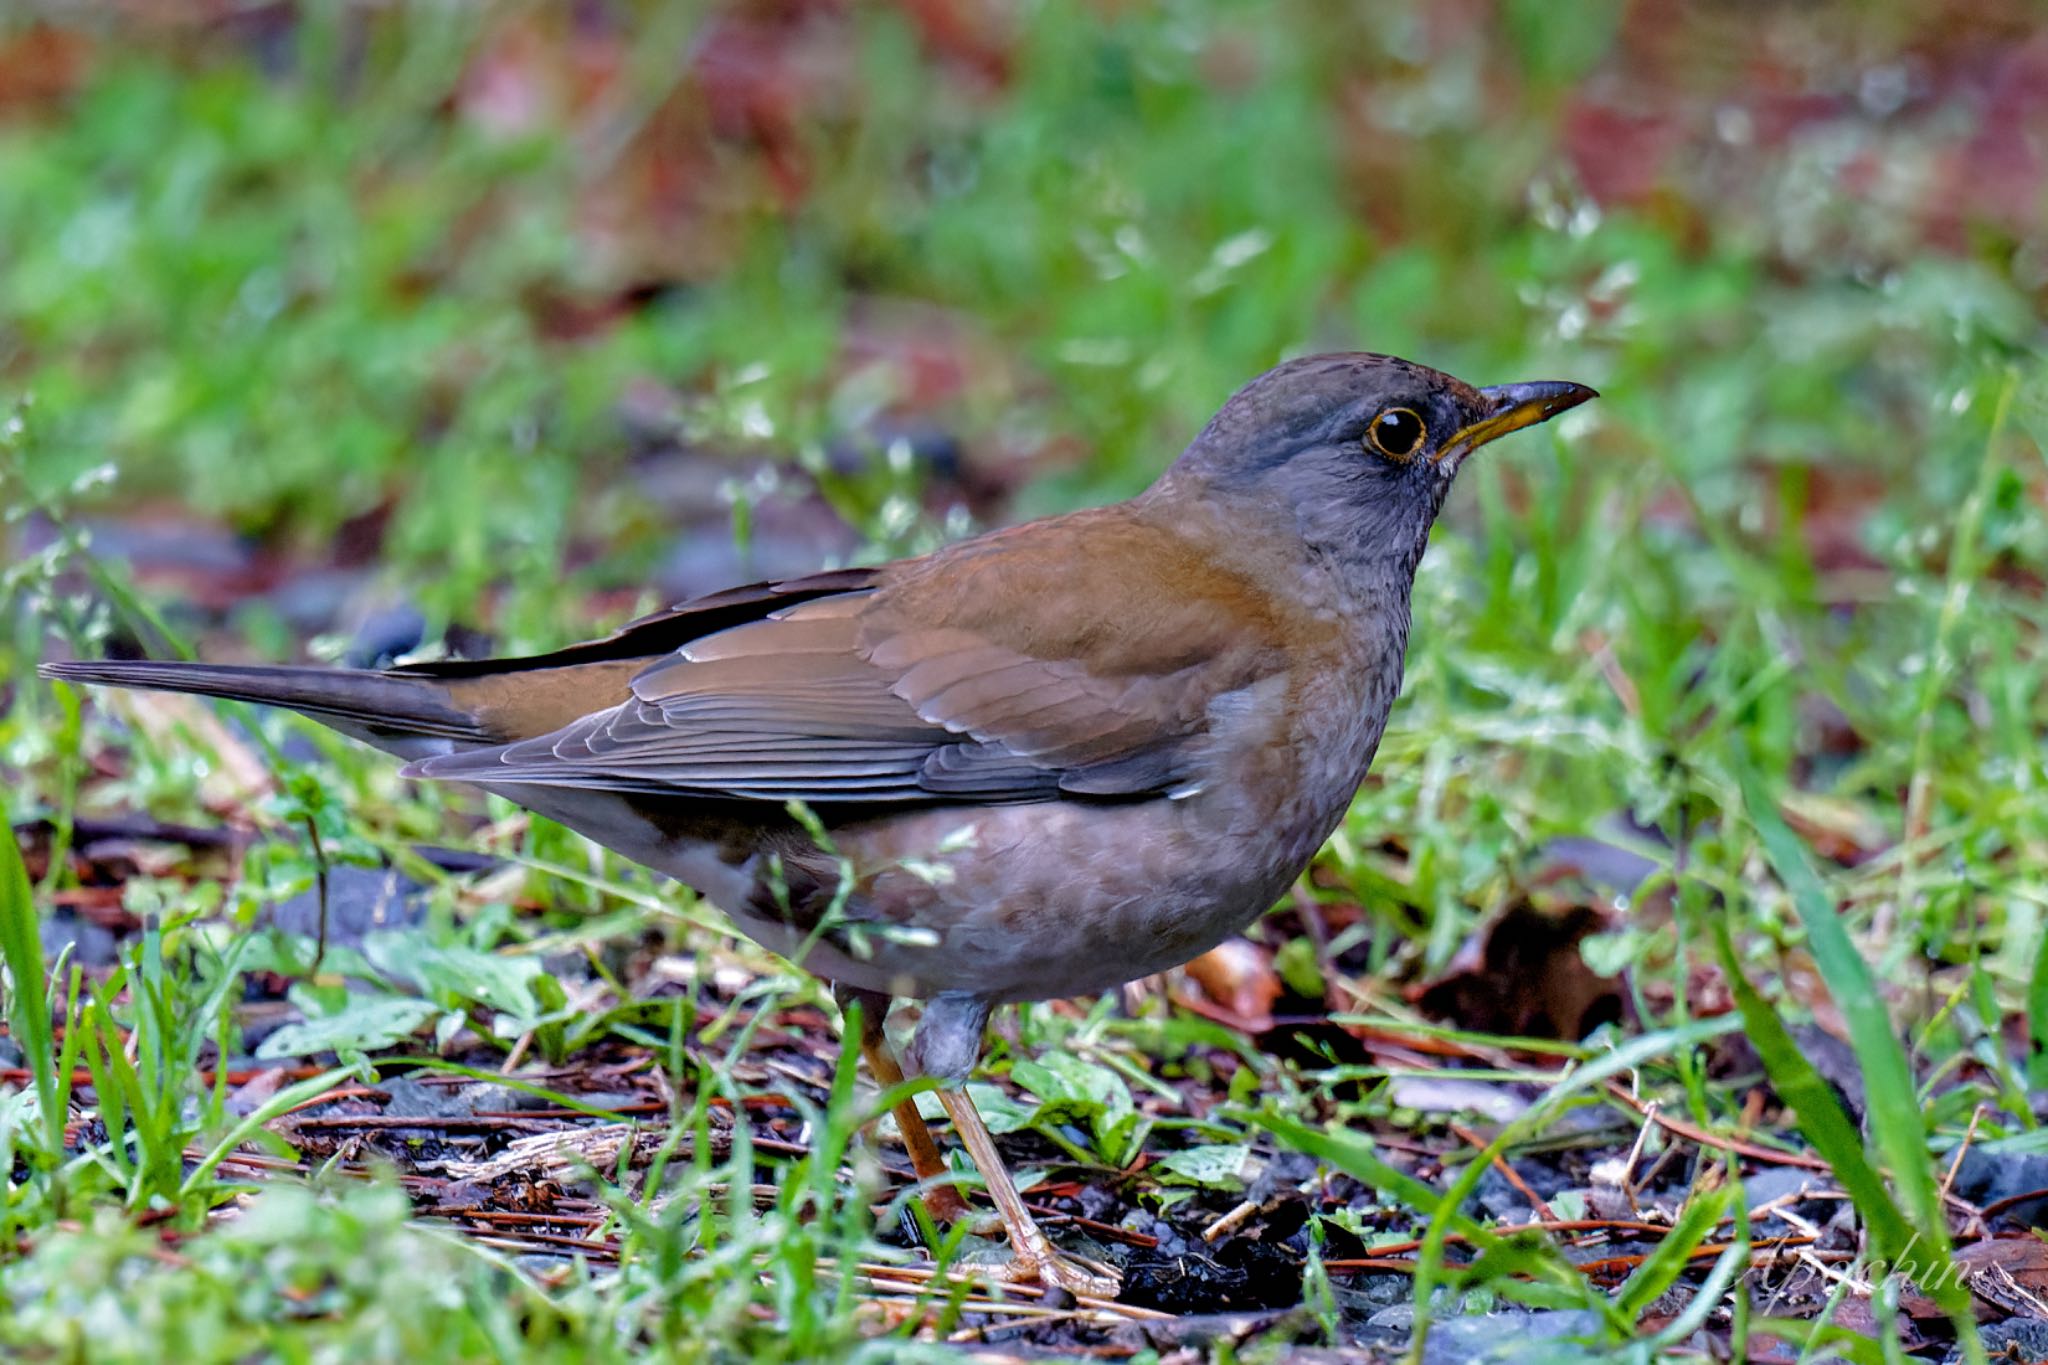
(1061,899)
(1018,902)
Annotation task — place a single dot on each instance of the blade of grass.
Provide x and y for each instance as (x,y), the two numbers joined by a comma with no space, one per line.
(284,1101)
(1354,1156)
(1662,1267)
(1630,1055)
(2037,1016)
(28,996)
(1837,1341)
(1897,1125)
(1821,1116)
(1963,569)
(1707,1298)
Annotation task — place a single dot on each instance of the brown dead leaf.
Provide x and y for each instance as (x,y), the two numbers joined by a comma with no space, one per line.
(1238,975)
(1837,830)
(2010,1274)
(2006,1276)
(251,1094)
(1521,974)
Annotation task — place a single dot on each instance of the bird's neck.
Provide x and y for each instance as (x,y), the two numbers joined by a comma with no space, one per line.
(1359,553)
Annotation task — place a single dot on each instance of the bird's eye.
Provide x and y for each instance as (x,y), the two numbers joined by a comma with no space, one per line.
(1396,433)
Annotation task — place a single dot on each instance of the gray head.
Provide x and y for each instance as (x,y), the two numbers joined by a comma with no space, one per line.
(1361,448)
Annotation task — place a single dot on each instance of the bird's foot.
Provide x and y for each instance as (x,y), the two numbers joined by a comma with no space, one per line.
(1075,1275)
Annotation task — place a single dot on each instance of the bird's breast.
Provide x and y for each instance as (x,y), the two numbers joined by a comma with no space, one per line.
(1072,897)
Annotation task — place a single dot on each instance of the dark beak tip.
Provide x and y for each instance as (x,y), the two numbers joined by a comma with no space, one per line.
(1548,396)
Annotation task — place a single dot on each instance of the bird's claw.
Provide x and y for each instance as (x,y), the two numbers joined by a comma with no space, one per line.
(1078,1276)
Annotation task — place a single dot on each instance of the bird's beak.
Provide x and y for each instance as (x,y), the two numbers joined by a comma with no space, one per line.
(1510,407)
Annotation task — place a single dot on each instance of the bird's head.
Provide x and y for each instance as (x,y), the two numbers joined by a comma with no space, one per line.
(1360,448)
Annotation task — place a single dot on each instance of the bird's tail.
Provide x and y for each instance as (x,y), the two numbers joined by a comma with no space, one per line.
(392,711)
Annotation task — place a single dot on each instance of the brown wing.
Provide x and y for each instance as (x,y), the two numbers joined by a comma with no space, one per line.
(1079,655)
(519,698)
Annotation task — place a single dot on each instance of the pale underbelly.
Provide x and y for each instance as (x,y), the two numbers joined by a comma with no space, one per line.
(1025,902)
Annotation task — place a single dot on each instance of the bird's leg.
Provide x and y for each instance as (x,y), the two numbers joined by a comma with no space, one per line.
(947,1042)
(942,1199)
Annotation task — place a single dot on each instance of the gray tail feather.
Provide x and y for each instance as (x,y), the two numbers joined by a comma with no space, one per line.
(372,704)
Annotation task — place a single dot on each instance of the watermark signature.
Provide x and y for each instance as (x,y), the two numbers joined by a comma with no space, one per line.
(1913,1269)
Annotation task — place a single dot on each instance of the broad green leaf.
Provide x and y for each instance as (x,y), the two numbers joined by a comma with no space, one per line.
(1219,1165)
(362,1026)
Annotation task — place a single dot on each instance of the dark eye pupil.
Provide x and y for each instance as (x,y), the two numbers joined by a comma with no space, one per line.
(1397,432)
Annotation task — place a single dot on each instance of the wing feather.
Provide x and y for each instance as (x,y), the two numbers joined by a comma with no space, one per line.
(966,676)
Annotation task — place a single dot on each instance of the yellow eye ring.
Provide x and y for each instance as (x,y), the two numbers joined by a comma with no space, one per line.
(1397,433)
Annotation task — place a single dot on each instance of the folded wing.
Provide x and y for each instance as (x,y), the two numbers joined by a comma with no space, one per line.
(969,676)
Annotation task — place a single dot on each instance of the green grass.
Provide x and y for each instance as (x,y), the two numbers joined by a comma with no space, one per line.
(1770,611)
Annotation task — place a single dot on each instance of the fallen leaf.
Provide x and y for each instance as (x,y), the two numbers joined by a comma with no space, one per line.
(1521,974)
(1238,975)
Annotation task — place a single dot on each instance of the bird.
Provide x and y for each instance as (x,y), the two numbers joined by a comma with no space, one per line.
(1036,763)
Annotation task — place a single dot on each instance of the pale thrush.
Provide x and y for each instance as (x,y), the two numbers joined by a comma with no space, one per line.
(1054,758)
